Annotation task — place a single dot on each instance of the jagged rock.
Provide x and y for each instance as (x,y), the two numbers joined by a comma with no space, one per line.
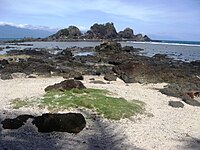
(110,77)
(126,34)
(16,122)
(73,74)
(71,32)
(4,62)
(66,85)
(131,71)
(196,63)
(102,31)
(70,122)
(6,76)
(18,75)
(190,101)
(176,104)
(67,53)
(107,47)
(146,38)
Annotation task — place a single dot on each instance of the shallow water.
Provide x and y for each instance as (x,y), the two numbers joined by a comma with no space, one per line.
(185,52)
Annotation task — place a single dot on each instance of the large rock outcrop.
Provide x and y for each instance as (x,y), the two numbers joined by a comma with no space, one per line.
(101,31)
(72,32)
(126,34)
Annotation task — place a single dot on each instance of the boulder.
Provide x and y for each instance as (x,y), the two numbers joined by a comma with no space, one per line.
(73,74)
(66,85)
(126,34)
(6,76)
(176,104)
(18,75)
(4,62)
(102,31)
(110,77)
(131,71)
(16,122)
(71,32)
(69,122)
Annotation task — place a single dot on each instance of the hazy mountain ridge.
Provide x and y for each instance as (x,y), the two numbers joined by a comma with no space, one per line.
(8,31)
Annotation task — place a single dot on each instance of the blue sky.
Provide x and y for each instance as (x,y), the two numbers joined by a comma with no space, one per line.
(165,19)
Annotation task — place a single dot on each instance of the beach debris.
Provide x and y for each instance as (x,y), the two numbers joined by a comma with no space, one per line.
(176,104)
(66,85)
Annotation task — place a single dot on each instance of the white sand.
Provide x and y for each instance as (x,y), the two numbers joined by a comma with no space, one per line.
(163,127)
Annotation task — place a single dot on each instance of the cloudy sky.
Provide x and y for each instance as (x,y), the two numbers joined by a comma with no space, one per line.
(165,19)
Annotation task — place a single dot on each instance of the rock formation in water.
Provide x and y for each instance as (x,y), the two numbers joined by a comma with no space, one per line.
(97,32)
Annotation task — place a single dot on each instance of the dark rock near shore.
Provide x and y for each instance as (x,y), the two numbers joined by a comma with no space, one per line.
(126,34)
(73,74)
(71,32)
(66,85)
(16,122)
(176,104)
(101,31)
(110,76)
(70,122)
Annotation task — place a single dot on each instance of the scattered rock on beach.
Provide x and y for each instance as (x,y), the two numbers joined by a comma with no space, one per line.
(66,85)
(16,122)
(70,122)
(176,104)
(97,82)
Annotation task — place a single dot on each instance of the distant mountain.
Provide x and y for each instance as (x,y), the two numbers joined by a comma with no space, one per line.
(8,31)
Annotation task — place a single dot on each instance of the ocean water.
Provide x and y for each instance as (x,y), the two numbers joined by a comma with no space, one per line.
(180,50)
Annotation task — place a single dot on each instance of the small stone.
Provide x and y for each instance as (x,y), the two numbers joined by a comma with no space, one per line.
(176,104)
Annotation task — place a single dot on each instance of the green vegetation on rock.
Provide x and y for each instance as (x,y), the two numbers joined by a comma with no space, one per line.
(95,99)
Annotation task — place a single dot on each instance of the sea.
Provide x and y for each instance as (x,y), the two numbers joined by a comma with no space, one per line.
(180,50)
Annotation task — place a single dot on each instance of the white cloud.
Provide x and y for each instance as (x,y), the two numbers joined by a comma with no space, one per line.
(28,26)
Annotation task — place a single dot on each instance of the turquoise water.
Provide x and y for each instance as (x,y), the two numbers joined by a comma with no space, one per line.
(181,42)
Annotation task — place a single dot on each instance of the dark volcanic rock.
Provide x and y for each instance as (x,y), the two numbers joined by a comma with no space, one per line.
(110,77)
(4,62)
(70,122)
(102,31)
(176,104)
(67,53)
(6,76)
(16,122)
(71,32)
(73,74)
(126,34)
(66,85)
(131,71)
(189,98)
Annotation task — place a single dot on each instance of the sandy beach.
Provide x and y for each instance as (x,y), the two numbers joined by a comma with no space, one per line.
(160,127)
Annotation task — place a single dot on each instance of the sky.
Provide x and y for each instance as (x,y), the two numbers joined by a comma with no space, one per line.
(159,19)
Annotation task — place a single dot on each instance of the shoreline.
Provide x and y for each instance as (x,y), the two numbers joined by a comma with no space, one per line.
(161,127)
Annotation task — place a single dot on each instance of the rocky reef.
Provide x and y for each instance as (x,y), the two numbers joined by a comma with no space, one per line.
(111,60)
